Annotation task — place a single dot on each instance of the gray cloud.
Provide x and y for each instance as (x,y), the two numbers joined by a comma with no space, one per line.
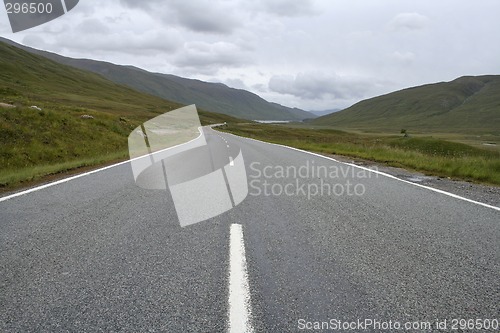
(135,44)
(405,58)
(408,21)
(284,49)
(318,85)
(208,58)
(205,16)
(93,26)
(287,8)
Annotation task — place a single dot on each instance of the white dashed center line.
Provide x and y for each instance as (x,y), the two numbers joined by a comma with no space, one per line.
(239,291)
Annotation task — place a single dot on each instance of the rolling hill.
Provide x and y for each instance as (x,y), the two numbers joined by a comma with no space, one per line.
(466,105)
(55,118)
(214,97)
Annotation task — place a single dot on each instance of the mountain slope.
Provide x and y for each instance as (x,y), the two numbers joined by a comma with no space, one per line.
(80,118)
(467,104)
(213,97)
(324,112)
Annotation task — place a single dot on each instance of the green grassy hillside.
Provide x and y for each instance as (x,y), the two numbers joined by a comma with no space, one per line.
(214,97)
(35,143)
(465,105)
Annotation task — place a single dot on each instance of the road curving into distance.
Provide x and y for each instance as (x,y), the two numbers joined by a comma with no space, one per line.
(324,243)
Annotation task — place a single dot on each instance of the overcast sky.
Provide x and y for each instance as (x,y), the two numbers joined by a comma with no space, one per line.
(312,54)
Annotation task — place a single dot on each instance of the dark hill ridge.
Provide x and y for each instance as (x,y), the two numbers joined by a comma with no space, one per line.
(469,104)
(214,97)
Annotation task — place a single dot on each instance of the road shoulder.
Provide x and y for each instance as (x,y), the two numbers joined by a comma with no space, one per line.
(487,194)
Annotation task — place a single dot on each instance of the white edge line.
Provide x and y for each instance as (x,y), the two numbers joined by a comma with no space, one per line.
(38,188)
(239,290)
(377,172)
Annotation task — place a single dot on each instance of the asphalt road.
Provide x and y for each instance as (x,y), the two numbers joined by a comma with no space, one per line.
(100,254)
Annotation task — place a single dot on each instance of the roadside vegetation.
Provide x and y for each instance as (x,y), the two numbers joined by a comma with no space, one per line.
(56,119)
(426,154)
(61,138)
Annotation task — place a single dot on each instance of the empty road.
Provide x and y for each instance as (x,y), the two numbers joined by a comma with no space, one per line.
(318,241)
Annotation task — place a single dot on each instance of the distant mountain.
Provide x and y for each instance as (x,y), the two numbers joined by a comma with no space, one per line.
(299,113)
(214,97)
(324,113)
(469,104)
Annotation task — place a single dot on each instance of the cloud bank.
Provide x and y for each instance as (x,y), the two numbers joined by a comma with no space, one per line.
(312,54)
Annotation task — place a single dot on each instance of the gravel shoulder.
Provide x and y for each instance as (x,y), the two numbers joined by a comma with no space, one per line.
(488,194)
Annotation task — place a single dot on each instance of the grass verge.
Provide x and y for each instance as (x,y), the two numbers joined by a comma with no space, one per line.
(425,154)
(37,173)
(48,144)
